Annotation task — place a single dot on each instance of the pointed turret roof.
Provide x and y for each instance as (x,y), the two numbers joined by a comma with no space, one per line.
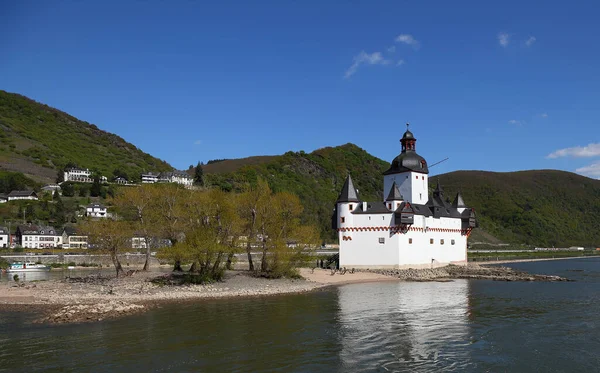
(394,193)
(348,193)
(458,202)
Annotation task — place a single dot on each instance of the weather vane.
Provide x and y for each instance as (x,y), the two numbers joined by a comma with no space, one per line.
(407,124)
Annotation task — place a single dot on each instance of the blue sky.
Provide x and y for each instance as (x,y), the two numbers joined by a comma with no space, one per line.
(497,86)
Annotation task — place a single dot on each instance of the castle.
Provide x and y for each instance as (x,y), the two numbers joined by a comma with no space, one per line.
(409,229)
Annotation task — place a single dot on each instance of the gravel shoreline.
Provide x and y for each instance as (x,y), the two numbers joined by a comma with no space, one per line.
(95,297)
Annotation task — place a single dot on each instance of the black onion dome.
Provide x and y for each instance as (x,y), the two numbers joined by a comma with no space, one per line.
(408,161)
(408,136)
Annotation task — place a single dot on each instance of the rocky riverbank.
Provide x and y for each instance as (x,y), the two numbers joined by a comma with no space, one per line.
(96,297)
(471,271)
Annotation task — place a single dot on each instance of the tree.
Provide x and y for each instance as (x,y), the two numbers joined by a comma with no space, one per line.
(109,236)
(168,208)
(250,202)
(96,189)
(68,190)
(60,176)
(138,204)
(212,229)
(199,175)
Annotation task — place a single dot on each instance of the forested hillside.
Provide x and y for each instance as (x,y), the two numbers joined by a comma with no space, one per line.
(543,208)
(539,207)
(37,140)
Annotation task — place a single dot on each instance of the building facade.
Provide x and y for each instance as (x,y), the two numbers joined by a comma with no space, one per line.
(37,237)
(178,177)
(149,178)
(410,228)
(22,194)
(4,238)
(81,176)
(96,210)
(72,240)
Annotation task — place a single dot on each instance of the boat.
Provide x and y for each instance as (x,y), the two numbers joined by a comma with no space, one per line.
(27,267)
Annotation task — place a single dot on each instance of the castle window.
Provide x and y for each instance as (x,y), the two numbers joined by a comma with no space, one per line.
(431,241)
(451,242)
(382,240)
(442,241)
(410,240)
(417,177)
(422,177)
(350,206)
(343,219)
(389,206)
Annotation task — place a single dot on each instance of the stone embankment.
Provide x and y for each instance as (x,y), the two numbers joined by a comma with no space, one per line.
(470,271)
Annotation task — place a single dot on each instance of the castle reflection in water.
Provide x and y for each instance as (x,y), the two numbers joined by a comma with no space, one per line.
(399,325)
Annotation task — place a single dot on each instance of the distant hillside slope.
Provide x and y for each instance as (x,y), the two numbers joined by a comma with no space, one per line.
(315,177)
(38,140)
(540,207)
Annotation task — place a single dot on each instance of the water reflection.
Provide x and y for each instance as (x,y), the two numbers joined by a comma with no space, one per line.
(404,326)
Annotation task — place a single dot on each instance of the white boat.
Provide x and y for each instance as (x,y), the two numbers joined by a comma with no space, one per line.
(27,267)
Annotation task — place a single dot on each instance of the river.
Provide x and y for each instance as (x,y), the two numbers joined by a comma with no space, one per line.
(462,326)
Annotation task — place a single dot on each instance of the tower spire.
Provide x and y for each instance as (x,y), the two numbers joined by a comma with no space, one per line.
(348,193)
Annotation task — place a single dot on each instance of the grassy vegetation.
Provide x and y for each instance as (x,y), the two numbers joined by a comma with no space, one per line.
(10,181)
(39,140)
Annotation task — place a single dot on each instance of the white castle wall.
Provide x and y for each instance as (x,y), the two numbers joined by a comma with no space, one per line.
(362,248)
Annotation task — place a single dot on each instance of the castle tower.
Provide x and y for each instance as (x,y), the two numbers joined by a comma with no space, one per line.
(408,171)
(346,203)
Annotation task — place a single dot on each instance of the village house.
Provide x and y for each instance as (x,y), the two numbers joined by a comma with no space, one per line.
(4,238)
(37,236)
(178,177)
(120,180)
(149,178)
(51,188)
(72,240)
(3,198)
(22,194)
(81,176)
(96,210)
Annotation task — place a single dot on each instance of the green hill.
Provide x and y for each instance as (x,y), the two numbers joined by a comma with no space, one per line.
(37,140)
(541,208)
(315,177)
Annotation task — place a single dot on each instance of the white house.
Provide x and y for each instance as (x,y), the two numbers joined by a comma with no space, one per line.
(51,188)
(81,175)
(4,238)
(72,240)
(120,180)
(37,237)
(149,178)
(3,198)
(409,229)
(179,177)
(22,194)
(96,210)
